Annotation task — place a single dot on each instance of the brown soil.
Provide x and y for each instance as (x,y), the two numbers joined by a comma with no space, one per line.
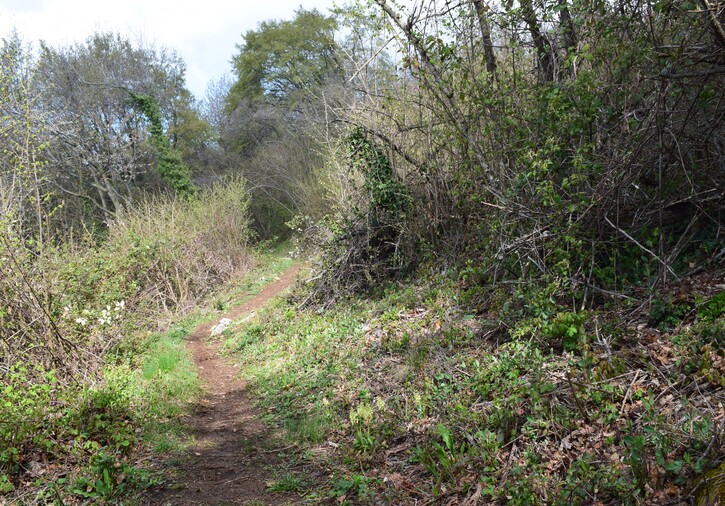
(231,460)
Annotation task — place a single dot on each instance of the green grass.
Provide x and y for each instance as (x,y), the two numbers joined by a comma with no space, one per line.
(308,427)
(294,363)
(167,358)
(170,382)
(288,482)
(406,371)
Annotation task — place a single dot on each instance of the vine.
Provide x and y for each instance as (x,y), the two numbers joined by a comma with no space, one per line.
(388,196)
(171,167)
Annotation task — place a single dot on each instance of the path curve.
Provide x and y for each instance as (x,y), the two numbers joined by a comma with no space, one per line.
(228,463)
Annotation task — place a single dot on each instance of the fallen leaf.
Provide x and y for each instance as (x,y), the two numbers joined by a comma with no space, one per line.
(565,443)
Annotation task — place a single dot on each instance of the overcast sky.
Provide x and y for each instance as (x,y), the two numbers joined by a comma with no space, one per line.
(204,32)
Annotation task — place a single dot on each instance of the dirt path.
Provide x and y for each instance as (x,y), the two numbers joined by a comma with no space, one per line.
(229,462)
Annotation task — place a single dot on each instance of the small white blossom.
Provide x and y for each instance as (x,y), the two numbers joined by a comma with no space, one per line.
(82,321)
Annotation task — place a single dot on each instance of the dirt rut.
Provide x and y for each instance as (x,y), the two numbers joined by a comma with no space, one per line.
(230,462)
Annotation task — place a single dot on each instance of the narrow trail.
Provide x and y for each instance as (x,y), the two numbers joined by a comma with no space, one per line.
(229,463)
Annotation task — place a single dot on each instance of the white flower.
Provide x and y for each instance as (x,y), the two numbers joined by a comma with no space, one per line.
(104,318)
(82,321)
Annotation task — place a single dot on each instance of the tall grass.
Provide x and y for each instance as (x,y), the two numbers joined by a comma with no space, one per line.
(197,243)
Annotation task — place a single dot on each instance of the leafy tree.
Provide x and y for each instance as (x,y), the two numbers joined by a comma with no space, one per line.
(282,58)
(283,70)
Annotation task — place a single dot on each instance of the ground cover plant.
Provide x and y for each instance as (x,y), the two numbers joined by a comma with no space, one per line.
(410,394)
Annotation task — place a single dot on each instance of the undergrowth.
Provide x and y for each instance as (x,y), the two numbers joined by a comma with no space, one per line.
(67,443)
(89,373)
(411,395)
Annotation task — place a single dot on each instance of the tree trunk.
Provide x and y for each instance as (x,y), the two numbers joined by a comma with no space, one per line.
(567,27)
(544,51)
(485,25)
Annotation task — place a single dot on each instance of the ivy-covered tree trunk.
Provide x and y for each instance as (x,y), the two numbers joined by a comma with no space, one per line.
(170,164)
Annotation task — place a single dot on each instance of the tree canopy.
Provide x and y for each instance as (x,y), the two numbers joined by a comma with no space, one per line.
(281,58)
(103,153)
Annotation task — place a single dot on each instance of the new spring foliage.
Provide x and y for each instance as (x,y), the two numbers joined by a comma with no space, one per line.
(171,167)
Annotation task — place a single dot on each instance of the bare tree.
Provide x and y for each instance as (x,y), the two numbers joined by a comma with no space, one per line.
(99,150)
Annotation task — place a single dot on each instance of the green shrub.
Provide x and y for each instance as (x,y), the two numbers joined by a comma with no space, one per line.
(566,330)
(713,309)
(110,479)
(24,421)
(666,314)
